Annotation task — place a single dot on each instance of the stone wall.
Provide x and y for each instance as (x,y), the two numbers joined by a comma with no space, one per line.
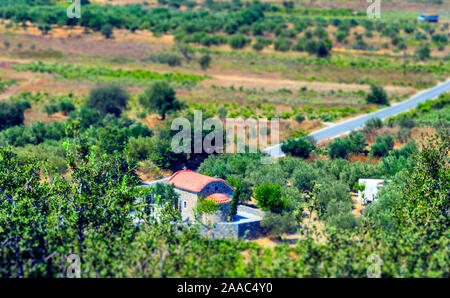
(218,216)
(250,210)
(246,227)
(186,203)
(189,200)
(232,230)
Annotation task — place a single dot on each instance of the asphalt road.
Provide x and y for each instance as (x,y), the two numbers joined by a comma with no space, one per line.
(358,122)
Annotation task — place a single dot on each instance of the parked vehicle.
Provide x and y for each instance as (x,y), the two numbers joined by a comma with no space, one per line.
(428,17)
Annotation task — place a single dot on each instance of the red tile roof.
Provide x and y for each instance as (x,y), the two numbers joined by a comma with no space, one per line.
(219,198)
(190,180)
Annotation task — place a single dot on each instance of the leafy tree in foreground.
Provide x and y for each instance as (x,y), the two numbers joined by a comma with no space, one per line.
(112,139)
(62,216)
(164,193)
(43,220)
(425,199)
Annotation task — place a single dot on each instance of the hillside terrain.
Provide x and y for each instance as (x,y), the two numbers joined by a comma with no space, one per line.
(88,106)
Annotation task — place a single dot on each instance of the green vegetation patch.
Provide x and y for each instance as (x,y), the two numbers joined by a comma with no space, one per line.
(6,84)
(105,74)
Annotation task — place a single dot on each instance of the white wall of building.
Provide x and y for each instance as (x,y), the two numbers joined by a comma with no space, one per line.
(372,186)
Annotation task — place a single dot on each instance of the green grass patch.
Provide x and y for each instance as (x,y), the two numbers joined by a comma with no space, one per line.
(6,84)
(105,74)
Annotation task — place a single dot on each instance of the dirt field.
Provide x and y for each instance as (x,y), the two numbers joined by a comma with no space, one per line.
(271,84)
(269,72)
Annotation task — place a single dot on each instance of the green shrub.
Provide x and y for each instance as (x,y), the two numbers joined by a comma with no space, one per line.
(51,109)
(86,116)
(237,41)
(283,44)
(44,28)
(170,59)
(108,99)
(35,134)
(269,197)
(387,139)
(66,106)
(299,117)
(323,48)
(406,122)
(139,148)
(142,115)
(139,129)
(54,156)
(107,31)
(205,61)
(356,142)
(162,193)
(344,221)
(332,198)
(440,38)
(304,177)
(422,52)
(276,224)
(111,139)
(258,46)
(379,149)
(338,148)
(373,123)
(299,148)
(377,95)
(300,44)
(406,151)
(11,114)
(403,134)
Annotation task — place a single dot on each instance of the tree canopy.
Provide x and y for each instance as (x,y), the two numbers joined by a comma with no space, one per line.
(160,97)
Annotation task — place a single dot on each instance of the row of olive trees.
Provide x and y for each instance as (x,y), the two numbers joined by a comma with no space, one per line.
(112,99)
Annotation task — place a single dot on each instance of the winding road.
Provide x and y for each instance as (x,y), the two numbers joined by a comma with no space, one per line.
(358,122)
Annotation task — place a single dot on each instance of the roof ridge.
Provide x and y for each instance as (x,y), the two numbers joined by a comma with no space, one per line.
(176,173)
(198,181)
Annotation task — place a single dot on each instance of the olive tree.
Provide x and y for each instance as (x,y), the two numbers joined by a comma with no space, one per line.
(160,97)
